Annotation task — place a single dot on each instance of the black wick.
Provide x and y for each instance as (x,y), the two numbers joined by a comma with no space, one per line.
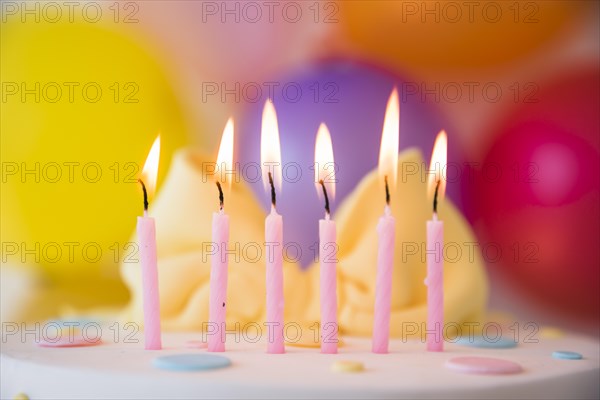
(387,192)
(326,198)
(435,197)
(273,197)
(145,194)
(221,199)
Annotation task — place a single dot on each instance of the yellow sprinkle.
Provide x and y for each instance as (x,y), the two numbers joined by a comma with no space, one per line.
(347,366)
(550,332)
(21,396)
(309,341)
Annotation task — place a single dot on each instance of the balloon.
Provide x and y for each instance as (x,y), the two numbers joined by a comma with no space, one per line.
(439,37)
(351,99)
(537,196)
(220,49)
(82,106)
(232,43)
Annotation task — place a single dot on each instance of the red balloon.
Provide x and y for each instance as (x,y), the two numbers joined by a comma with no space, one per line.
(537,195)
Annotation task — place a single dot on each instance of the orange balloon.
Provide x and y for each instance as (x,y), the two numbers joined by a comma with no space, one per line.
(433,36)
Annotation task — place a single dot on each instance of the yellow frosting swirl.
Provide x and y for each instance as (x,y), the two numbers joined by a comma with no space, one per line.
(183,211)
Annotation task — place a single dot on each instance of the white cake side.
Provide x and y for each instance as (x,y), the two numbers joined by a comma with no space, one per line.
(124,370)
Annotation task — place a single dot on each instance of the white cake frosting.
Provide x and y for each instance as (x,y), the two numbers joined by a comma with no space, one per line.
(124,370)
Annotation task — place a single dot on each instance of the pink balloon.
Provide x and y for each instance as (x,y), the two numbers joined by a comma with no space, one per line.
(540,202)
(233,42)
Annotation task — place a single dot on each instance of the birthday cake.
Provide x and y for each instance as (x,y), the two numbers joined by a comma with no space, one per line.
(123,369)
(108,359)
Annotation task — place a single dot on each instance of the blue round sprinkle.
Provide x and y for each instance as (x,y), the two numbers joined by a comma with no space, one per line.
(567,355)
(191,362)
(486,343)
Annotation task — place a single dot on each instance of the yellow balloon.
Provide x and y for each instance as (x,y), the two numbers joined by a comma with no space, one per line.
(81,107)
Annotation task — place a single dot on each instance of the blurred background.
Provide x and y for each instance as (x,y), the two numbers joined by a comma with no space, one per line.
(87,86)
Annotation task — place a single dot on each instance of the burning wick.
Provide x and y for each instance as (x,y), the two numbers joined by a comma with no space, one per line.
(273,197)
(145,195)
(326,198)
(221,199)
(387,192)
(435,197)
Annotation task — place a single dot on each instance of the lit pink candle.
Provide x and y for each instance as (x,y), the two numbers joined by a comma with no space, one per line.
(146,232)
(218,282)
(273,238)
(220,239)
(328,248)
(328,290)
(435,246)
(386,228)
(271,168)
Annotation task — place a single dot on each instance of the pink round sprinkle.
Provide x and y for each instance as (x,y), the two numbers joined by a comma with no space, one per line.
(196,344)
(483,365)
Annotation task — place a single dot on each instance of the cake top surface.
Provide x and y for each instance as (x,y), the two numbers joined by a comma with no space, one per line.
(115,369)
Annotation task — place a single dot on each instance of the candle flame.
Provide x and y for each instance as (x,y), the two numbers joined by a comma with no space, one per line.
(150,170)
(438,165)
(225,157)
(388,152)
(270,149)
(324,163)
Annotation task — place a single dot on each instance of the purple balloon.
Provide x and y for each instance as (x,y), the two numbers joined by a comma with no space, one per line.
(350,98)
